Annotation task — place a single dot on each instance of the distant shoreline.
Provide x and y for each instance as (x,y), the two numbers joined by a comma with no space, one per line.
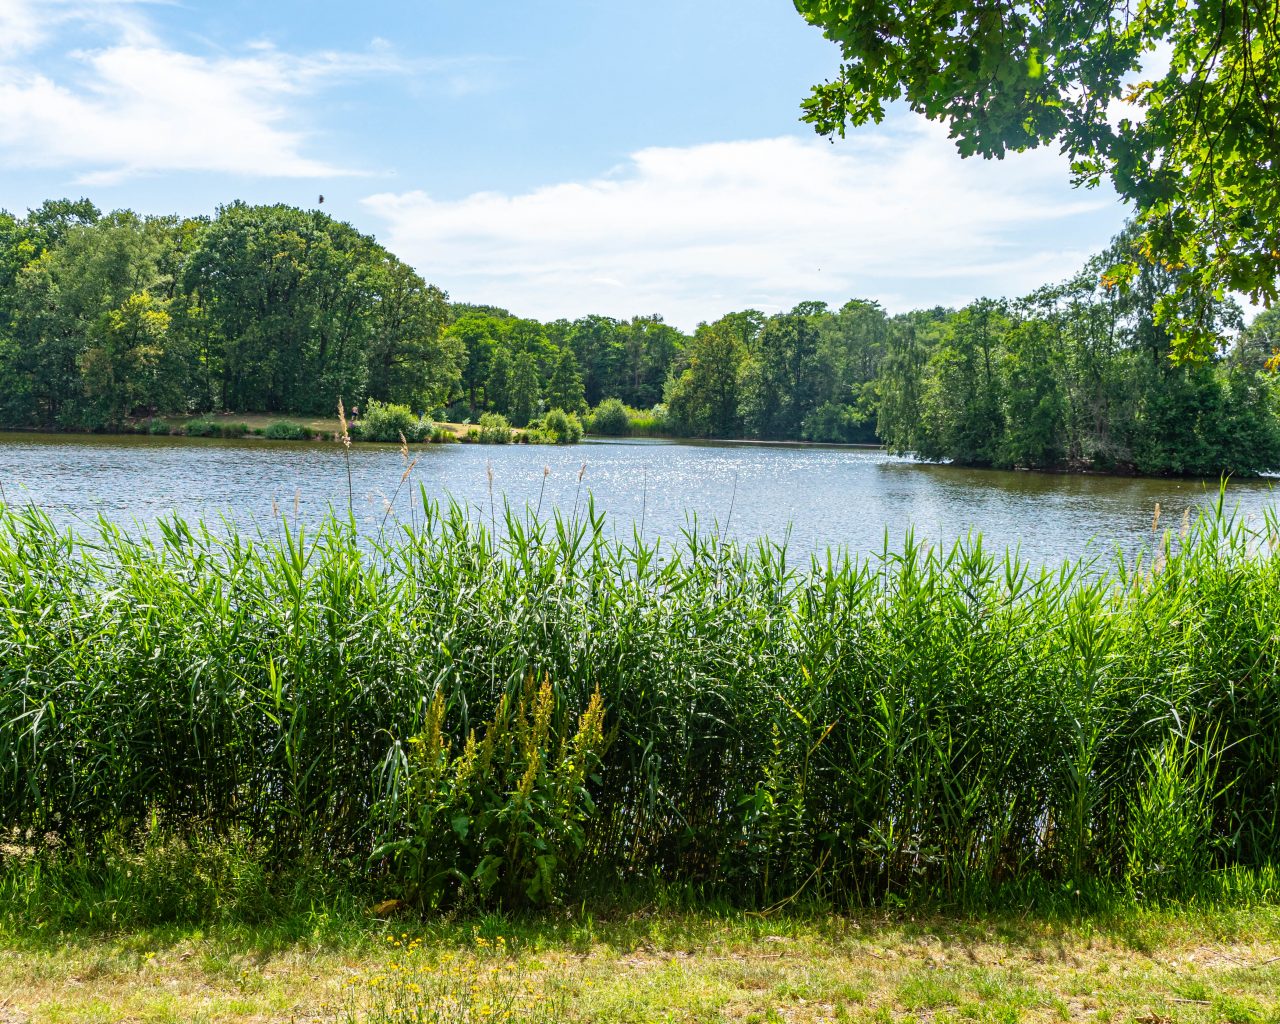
(322,432)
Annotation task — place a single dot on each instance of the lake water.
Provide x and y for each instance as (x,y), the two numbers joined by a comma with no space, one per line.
(814,498)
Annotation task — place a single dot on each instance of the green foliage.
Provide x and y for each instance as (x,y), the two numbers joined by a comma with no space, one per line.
(1170,840)
(215,428)
(704,400)
(103,319)
(159,426)
(781,382)
(1077,377)
(834,424)
(192,875)
(506,812)
(564,389)
(654,422)
(611,419)
(928,723)
(286,430)
(385,422)
(526,390)
(560,427)
(498,385)
(494,429)
(108,321)
(1195,157)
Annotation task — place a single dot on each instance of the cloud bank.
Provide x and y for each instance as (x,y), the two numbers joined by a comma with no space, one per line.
(892,214)
(122,103)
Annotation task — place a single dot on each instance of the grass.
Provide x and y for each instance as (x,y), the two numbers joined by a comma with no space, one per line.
(652,966)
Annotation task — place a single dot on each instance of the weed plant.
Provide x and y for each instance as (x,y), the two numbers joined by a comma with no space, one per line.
(926,723)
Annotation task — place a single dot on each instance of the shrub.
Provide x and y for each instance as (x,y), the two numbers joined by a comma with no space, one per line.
(494,429)
(387,423)
(285,430)
(158,426)
(557,427)
(201,428)
(611,419)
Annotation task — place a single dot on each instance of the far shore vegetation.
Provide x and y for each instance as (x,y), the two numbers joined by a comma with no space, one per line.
(265,316)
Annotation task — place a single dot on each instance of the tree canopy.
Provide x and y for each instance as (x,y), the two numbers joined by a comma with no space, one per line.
(114,321)
(1196,149)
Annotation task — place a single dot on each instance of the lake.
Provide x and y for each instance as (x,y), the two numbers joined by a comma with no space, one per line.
(814,498)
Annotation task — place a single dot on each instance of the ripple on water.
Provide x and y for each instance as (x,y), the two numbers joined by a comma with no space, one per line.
(815,498)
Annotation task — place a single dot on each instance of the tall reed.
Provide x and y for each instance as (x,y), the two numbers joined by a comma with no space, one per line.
(926,720)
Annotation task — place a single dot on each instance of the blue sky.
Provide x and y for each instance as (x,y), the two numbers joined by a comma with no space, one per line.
(559,157)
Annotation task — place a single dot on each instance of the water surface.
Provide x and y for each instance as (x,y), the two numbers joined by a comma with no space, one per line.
(813,498)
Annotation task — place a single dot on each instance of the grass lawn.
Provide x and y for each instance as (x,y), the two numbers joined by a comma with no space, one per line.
(1145,967)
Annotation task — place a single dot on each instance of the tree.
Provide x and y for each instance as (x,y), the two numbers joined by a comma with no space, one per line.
(526,389)
(899,421)
(564,390)
(703,400)
(410,360)
(90,340)
(649,348)
(1196,155)
(287,296)
(497,388)
(123,370)
(477,333)
(1260,344)
(781,382)
(597,343)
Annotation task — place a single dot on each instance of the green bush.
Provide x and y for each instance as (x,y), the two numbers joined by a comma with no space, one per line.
(611,419)
(201,428)
(159,426)
(494,429)
(556,427)
(286,430)
(384,422)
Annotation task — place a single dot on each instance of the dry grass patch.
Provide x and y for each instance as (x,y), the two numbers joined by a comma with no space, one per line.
(1147,968)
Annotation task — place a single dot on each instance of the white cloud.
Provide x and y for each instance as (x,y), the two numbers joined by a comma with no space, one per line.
(135,106)
(694,232)
(26,25)
(146,109)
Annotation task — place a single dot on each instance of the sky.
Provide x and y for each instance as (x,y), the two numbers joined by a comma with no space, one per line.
(558,158)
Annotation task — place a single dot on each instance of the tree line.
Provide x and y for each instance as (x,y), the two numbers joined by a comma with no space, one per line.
(105,318)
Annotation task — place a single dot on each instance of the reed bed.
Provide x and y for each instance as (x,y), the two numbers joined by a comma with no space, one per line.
(926,722)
